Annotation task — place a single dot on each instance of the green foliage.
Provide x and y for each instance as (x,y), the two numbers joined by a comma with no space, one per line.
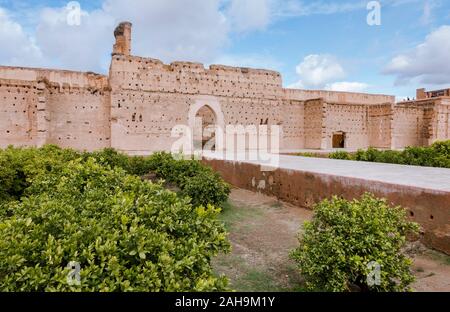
(195,180)
(345,236)
(437,155)
(340,155)
(127,235)
(204,188)
(306,154)
(199,182)
(19,166)
(59,206)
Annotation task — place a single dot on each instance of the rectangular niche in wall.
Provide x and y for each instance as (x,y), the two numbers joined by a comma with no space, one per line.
(339,139)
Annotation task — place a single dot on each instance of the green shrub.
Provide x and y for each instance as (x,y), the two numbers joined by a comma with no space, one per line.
(340,155)
(111,158)
(195,180)
(344,237)
(126,234)
(19,166)
(206,188)
(437,155)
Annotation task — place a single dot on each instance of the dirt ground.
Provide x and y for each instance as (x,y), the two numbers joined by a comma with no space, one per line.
(263,230)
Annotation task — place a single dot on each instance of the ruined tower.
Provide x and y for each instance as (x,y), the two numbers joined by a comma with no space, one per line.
(123,39)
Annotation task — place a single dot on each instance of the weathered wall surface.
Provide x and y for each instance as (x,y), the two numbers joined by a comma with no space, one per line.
(349,118)
(149,98)
(136,107)
(427,207)
(39,106)
(339,97)
(315,111)
(411,125)
(443,120)
(293,125)
(380,125)
(19,103)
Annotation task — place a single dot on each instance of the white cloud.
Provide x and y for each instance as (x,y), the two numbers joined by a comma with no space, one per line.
(173,30)
(249,15)
(168,30)
(317,70)
(428,62)
(16,48)
(82,47)
(324,72)
(347,86)
(291,8)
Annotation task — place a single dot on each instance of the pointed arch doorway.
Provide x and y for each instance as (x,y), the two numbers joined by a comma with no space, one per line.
(206,121)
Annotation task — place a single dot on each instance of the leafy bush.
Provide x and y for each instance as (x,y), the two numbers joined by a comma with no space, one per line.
(437,155)
(126,234)
(340,155)
(199,182)
(195,180)
(344,237)
(19,166)
(206,188)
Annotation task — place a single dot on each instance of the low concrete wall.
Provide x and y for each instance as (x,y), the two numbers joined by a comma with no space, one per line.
(429,208)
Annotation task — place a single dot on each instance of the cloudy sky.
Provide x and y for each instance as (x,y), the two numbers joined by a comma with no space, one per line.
(324,44)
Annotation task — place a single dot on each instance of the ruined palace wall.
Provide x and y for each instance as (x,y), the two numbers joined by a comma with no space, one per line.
(78,117)
(349,118)
(18,108)
(442,120)
(314,123)
(41,106)
(293,125)
(149,98)
(379,125)
(338,97)
(413,123)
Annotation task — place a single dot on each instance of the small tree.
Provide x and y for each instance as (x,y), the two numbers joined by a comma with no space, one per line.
(347,240)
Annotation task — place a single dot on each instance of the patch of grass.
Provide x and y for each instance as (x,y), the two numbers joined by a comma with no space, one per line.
(420,270)
(276,205)
(440,257)
(233,216)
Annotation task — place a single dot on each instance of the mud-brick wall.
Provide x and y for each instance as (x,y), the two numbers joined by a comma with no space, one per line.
(349,118)
(150,98)
(40,106)
(411,124)
(429,208)
(292,125)
(442,121)
(78,118)
(18,108)
(314,123)
(379,127)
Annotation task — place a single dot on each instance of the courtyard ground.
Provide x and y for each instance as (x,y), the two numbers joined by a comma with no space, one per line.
(262,232)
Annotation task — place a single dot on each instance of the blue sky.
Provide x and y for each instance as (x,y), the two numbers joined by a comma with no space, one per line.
(314,44)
